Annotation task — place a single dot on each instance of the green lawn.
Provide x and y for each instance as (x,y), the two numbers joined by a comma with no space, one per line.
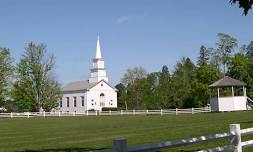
(91,133)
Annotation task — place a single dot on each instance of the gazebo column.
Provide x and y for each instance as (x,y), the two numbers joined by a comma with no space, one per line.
(218,92)
(244,91)
(233,91)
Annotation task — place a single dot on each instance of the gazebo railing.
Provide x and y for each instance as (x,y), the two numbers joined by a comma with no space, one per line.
(250,99)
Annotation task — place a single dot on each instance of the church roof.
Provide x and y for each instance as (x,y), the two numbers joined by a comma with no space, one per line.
(227,82)
(82,85)
(78,85)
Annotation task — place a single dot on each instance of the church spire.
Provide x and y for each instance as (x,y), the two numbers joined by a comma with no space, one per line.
(98,51)
(98,72)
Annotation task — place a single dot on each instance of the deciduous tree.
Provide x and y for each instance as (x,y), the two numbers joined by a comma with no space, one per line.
(225,46)
(35,87)
(6,73)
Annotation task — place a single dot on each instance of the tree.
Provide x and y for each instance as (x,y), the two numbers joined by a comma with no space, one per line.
(249,50)
(164,90)
(181,83)
(222,53)
(206,74)
(133,74)
(241,68)
(134,80)
(121,96)
(204,55)
(135,94)
(51,94)
(244,4)
(6,72)
(35,87)
(150,94)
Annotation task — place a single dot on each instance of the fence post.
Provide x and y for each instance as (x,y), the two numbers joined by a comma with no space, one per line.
(192,110)
(11,115)
(96,113)
(133,112)
(110,112)
(44,114)
(59,114)
(119,145)
(28,115)
(87,113)
(147,112)
(121,112)
(161,112)
(235,140)
(176,111)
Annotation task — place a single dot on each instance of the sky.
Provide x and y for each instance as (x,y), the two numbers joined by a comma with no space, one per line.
(147,33)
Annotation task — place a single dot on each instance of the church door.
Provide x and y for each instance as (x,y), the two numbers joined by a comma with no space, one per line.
(102,100)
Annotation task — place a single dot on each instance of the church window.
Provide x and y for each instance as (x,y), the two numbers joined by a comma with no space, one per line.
(110,102)
(82,101)
(61,103)
(74,101)
(67,101)
(92,102)
(102,84)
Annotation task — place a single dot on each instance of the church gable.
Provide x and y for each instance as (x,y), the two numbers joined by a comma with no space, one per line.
(103,85)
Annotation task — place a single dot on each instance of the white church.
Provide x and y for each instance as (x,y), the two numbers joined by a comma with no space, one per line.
(95,93)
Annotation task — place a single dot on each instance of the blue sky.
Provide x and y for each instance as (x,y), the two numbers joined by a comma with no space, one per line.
(147,33)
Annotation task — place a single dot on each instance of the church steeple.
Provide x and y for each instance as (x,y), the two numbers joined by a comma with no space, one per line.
(98,50)
(98,72)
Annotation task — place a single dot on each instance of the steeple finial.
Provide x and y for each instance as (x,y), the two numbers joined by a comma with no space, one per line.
(98,51)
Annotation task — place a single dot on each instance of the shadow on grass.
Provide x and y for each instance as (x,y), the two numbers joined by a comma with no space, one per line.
(178,150)
(75,149)
(247,122)
(90,149)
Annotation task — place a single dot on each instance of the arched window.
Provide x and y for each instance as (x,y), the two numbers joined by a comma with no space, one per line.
(102,100)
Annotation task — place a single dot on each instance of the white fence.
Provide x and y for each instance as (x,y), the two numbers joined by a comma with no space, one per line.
(108,113)
(234,136)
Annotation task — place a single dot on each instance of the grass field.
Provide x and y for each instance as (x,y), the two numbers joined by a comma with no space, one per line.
(90,133)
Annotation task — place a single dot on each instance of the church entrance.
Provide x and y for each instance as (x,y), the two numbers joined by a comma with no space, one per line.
(102,100)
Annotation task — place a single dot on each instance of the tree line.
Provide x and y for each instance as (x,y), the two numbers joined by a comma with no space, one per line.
(187,85)
(30,84)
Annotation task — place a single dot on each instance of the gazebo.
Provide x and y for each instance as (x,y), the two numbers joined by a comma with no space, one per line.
(228,94)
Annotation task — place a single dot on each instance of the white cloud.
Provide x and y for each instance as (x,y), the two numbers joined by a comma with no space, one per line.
(122,19)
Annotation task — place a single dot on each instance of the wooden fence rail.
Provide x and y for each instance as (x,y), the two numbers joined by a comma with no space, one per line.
(234,136)
(109,113)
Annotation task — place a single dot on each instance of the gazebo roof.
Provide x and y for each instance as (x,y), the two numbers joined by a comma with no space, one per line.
(227,82)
